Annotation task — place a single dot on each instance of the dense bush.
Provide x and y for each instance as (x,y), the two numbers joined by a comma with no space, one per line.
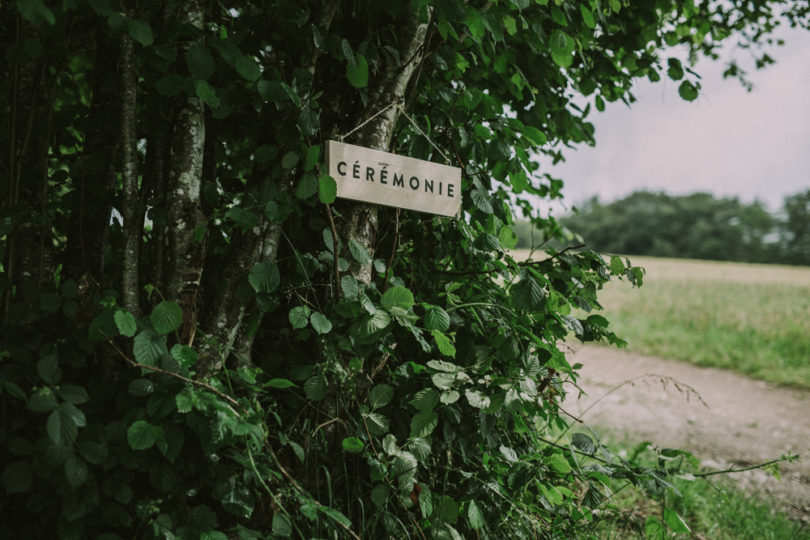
(199,341)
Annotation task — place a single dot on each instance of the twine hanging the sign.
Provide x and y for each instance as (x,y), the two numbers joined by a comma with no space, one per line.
(406,115)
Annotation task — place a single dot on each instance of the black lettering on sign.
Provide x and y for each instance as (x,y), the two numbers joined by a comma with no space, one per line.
(342,172)
(383,176)
(450,190)
(399,180)
(428,185)
(414,182)
(370,174)
(356,170)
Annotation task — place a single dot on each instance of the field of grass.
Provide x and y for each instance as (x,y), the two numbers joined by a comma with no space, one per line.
(753,319)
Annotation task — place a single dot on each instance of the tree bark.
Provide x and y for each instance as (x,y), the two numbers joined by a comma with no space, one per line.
(133,228)
(185,217)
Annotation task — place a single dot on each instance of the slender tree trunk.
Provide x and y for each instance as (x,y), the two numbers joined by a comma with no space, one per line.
(225,318)
(130,211)
(185,217)
(362,219)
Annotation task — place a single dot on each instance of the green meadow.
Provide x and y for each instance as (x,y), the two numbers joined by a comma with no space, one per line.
(753,319)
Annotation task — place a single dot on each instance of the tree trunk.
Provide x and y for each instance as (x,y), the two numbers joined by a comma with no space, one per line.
(133,229)
(362,219)
(185,217)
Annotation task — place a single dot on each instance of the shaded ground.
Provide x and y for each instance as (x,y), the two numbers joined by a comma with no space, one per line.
(742,421)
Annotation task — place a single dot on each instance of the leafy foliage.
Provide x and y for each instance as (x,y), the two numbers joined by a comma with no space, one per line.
(194,346)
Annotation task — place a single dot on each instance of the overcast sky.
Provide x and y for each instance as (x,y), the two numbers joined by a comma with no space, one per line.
(729,142)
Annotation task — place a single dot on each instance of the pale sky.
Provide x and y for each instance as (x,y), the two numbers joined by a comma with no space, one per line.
(729,142)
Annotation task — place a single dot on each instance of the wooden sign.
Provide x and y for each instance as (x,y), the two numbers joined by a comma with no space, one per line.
(372,176)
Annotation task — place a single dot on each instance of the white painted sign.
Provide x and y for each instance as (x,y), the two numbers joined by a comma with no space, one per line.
(363,174)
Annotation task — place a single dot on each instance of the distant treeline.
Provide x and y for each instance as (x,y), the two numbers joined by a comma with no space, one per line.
(698,226)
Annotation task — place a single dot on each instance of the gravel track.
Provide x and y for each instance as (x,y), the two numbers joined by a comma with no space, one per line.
(723,418)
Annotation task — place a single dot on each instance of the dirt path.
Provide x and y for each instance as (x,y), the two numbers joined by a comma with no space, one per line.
(742,422)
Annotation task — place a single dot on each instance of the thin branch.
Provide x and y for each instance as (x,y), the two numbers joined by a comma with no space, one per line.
(156,369)
(732,469)
(394,248)
(336,294)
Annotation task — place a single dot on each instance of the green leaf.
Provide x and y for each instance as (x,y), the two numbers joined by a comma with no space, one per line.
(170,84)
(616,266)
(353,445)
(359,252)
(148,347)
(125,322)
(309,121)
(477,399)
(481,200)
(43,400)
(282,525)
(449,397)
(76,472)
(142,435)
(674,69)
(141,387)
(534,135)
(398,296)
(425,399)
(437,319)
(507,237)
(444,344)
(475,23)
(307,187)
(74,394)
(587,16)
(280,383)
(315,388)
(200,62)
(688,91)
(559,464)
(320,323)
(185,355)
(264,277)
(675,522)
(166,317)
(63,425)
(350,287)
(583,443)
(510,25)
(423,423)
(207,94)
(474,515)
(562,46)
(242,217)
(140,31)
(443,381)
(380,495)
(527,294)
(377,423)
(482,131)
(327,189)
(357,73)
(48,369)
(248,68)
(380,396)
(299,316)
